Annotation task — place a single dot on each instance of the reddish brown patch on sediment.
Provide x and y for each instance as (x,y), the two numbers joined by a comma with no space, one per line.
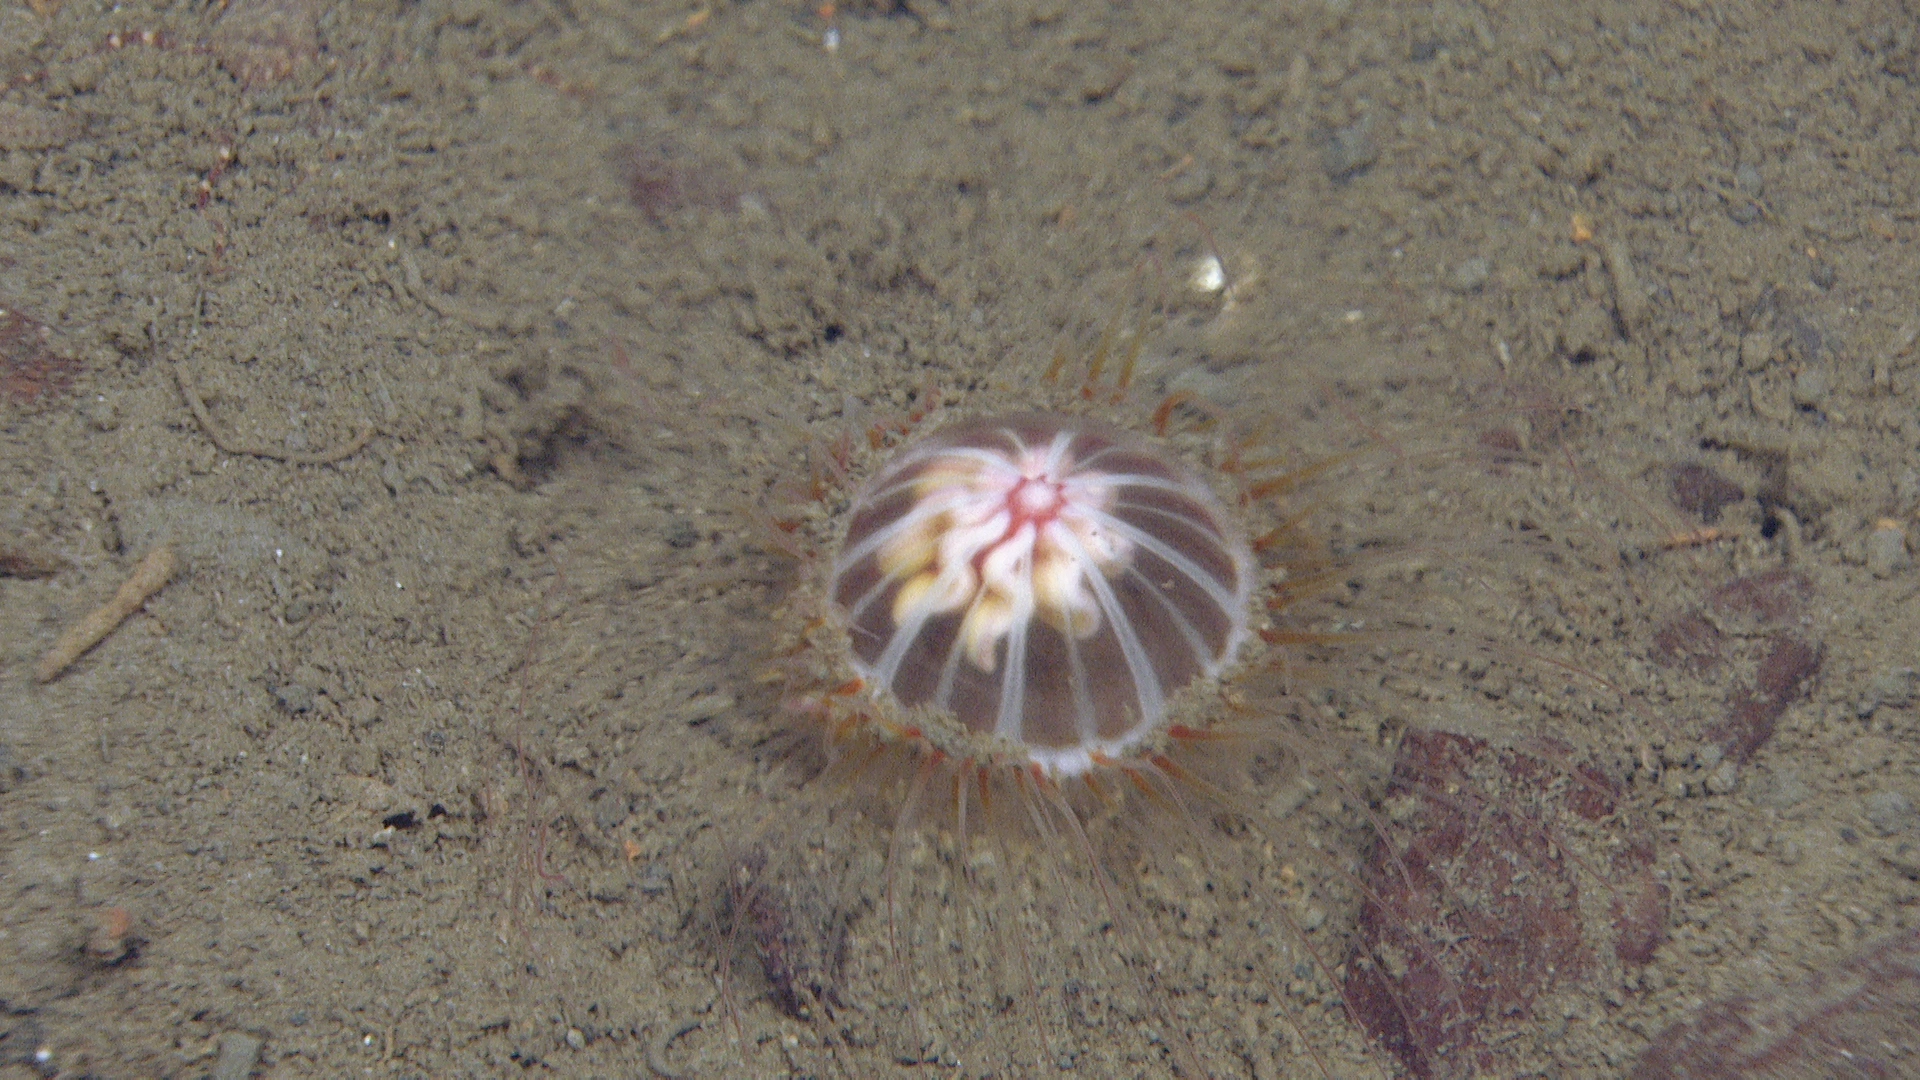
(1639,905)
(1760,626)
(1700,490)
(30,369)
(1689,642)
(1859,1018)
(1779,680)
(1770,597)
(664,178)
(1474,905)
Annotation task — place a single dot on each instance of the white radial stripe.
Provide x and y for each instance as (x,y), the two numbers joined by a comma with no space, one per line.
(874,540)
(1059,451)
(897,475)
(996,461)
(891,531)
(1195,640)
(858,609)
(1013,676)
(1206,526)
(1093,488)
(949,667)
(905,634)
(1013,437)
(1086,721)
(1196,492)
(1146,682)
(1215,590)
(1093,459)
(885,487)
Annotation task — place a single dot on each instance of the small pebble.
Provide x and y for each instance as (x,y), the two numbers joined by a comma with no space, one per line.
(238,1053)
(1470,276)
(1724,779)
(1757,351)
(1676,784)
(112,940)
(295,698)
(1629,296)
(706,707)
(1746,181)
(1810,388)
(576,1039)
(1887,549)
(655,879)
(1348,152)
(1889,812)
(609,810)
(1893,687)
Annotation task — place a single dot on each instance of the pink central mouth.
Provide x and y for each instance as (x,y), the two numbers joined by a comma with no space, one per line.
(1034,499)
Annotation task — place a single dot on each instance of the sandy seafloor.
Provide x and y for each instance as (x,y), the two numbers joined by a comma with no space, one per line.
(434,759)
